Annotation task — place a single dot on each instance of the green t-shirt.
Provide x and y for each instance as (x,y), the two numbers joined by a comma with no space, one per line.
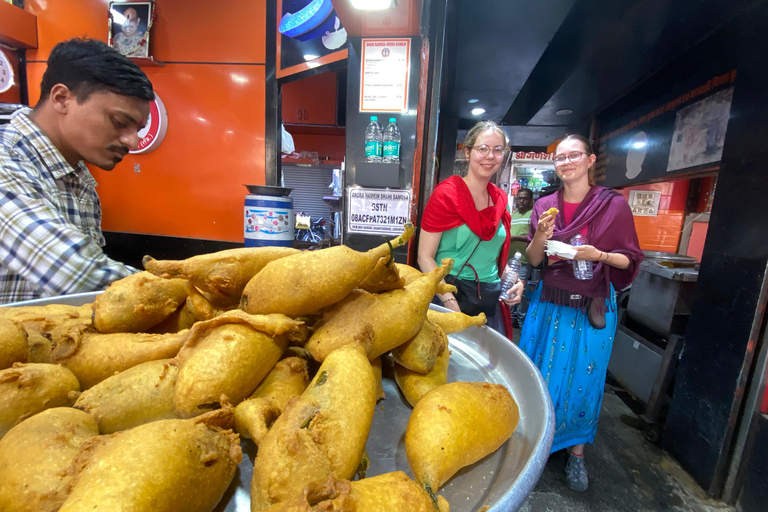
(458,243)
(521,225)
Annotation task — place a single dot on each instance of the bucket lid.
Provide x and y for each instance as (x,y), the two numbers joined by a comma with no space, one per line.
(264,190)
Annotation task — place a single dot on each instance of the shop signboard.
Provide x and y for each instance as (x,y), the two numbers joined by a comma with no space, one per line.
(378,211)
(153,133)
(6,73)
(384,75)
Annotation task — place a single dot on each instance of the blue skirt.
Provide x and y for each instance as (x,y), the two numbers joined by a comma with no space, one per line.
(573,359)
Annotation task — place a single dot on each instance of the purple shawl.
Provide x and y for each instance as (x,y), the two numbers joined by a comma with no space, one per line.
(611,228)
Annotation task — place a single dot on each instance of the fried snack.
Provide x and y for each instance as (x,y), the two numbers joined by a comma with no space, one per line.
(93,357)
(415,385)
(323,432)
(411,274)
(390,492)
(41,321)
(383,277)
(136,303)
(420,352)
(552,212)
(228,355)
(255,416)
(164,466)
(395,316)
(455,321)
(27,389)
(305,283)
(134,397)
(35,456)
(456,425)
(183,318)
(222,274)
(14,347)
(376,366)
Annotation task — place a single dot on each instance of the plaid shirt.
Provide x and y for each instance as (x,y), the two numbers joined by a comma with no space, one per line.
(50,220)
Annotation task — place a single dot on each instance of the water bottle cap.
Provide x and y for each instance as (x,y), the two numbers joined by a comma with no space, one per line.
(374,118)
(391,119)
(518,255)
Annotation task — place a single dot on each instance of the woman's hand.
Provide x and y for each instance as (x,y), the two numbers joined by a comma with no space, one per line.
(515,294)
(452,304)
(588,253)
(545,228)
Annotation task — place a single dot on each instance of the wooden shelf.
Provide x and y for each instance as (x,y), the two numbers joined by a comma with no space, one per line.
(315,129)
(18,28)
(147,61)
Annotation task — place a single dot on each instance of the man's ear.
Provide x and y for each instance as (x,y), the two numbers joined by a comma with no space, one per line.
(60,98)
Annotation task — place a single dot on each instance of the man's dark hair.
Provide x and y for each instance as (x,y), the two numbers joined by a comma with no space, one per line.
(523,189)
(88,65)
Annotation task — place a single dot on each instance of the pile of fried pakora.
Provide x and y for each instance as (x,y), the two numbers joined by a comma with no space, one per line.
(138,401)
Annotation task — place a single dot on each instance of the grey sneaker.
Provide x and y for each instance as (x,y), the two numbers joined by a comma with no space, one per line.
(576,474)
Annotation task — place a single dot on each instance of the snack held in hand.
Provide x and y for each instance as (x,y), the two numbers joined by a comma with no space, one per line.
(552,212)
(456,425)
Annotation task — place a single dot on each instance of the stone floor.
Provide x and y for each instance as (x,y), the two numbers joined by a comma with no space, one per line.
(626,471)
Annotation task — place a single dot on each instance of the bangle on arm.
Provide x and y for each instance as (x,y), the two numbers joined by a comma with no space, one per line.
(449,300)
(606,257)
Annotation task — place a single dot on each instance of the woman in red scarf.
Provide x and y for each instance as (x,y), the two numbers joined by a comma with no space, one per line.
(467,219)
(571,321)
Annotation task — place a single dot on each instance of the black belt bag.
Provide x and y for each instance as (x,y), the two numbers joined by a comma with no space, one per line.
(474,296)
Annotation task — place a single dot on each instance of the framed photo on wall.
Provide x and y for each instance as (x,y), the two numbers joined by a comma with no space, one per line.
(129,27)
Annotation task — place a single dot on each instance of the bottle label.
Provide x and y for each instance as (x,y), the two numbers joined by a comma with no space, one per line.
(372,148)
(391,148)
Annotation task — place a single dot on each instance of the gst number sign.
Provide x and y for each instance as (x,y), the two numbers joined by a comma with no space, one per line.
(378,211)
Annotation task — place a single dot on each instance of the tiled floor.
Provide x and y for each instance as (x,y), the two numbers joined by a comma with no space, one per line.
(627,473)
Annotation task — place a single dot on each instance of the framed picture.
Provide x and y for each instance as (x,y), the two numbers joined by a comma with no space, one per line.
(129,27)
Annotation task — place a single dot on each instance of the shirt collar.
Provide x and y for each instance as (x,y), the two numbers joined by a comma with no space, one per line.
(51,156)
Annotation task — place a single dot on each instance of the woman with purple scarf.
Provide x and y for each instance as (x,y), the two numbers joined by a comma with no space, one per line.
(570,325)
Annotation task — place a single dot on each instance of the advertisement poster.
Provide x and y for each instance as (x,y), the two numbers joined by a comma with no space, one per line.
(700,132)
(384,75)
(378,210)
(644,203)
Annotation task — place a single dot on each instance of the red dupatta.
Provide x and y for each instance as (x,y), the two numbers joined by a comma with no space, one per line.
(451,205)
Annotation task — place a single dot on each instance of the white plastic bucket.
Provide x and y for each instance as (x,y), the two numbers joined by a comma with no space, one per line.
(268,221)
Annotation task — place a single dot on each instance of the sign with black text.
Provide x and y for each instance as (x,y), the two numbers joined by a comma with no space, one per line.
(378,210)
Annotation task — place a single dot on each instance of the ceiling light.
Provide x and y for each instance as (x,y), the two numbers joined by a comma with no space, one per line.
(372,5)
(473,100)
(639,144)
(477,111)
(564,112)
(309,56)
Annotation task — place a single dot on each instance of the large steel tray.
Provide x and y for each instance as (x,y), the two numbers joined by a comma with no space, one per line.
(501,481)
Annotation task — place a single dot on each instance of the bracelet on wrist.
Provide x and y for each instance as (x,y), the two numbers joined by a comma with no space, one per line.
(449,300)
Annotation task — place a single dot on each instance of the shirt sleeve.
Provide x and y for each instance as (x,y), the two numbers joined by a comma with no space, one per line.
(41,245)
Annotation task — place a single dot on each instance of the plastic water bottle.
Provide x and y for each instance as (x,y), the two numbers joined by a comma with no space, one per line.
(513,271)
(582,269)
(373,141)
(391,143)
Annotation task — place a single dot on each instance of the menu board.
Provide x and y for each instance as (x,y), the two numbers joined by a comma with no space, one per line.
(384,75)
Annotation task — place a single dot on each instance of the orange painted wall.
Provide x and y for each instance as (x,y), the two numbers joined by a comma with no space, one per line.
(12,94)
(662,233)
(213,86)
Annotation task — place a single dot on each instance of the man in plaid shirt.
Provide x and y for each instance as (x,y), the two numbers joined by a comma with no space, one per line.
(93,102)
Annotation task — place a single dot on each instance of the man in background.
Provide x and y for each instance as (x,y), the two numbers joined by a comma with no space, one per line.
(520,226)
(93,102)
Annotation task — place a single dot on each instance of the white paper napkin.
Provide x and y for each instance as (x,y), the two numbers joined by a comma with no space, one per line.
(560,249)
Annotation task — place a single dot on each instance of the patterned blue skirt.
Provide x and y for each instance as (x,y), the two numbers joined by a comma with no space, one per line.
(573,359)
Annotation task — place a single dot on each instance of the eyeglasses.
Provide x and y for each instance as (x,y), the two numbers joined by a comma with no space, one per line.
(574,158)
(483,150)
